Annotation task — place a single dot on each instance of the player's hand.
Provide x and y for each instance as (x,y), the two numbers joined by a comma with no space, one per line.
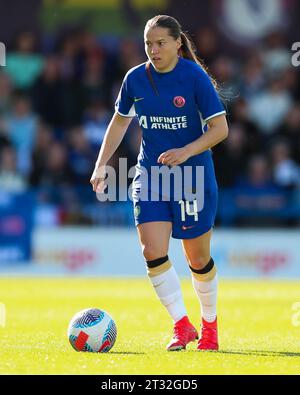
(173,157)
(97,179)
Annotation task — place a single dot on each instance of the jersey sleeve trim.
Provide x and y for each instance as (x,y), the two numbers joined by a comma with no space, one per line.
(123,115)
(214,115)
(131,112)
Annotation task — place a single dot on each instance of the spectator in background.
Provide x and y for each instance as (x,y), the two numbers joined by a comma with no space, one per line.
(11,180)
(56,172)
(230,158)
(268,108)
(256,198)
(252,80)
(207,45)
(93,81)
(224,70)
(256,190)
(68,52)
(21,127)
(24,65)
(291,80)
(290,130)
(5,93)
(286,173)
(276,55)
(130,55)
(47,93)
(76,44)
(258,175)
(45,179)
(3,138)
(239,114)
(70,64)
(44,140)
(81,156)
(96,118)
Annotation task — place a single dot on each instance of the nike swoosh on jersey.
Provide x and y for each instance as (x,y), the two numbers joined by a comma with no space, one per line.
(138,98)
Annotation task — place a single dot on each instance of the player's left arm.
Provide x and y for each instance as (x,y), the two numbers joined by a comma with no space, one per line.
(217,132)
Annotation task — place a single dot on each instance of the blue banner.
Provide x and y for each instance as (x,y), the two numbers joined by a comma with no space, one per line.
(16,224)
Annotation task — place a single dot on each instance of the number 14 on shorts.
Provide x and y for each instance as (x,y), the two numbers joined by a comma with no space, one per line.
(188,208)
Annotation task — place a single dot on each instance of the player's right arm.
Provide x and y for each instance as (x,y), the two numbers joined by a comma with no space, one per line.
(113,136)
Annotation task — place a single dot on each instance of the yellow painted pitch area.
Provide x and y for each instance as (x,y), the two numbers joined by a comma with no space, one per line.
(259,328)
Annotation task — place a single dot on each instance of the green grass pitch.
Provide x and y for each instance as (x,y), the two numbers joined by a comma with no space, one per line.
(256,330)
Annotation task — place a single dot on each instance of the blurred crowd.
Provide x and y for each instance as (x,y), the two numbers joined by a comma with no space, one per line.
(57,97)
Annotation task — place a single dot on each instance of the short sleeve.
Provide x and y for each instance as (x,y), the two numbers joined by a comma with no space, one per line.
(207,98)
(125,102)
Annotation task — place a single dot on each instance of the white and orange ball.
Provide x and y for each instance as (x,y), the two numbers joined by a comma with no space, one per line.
(92,330)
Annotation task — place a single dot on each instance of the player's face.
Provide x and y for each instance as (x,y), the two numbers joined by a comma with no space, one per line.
(161,48)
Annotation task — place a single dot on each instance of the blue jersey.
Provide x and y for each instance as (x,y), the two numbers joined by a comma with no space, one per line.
(175,117)
(172,112)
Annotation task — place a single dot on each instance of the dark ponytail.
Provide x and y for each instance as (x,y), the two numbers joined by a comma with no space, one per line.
(187,49)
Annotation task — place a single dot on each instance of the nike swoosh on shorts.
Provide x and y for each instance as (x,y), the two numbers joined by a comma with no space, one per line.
(188,227)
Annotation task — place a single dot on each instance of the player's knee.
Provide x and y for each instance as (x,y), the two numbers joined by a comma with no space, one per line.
(151,252)
(158,266)
(206,273)
(198,262)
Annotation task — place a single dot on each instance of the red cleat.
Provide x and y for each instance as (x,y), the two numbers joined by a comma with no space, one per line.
(209,336)
(183,333)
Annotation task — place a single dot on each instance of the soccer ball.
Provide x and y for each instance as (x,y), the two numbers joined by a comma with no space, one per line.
(92,330)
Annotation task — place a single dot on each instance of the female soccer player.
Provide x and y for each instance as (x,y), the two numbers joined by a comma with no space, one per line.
(181,117)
